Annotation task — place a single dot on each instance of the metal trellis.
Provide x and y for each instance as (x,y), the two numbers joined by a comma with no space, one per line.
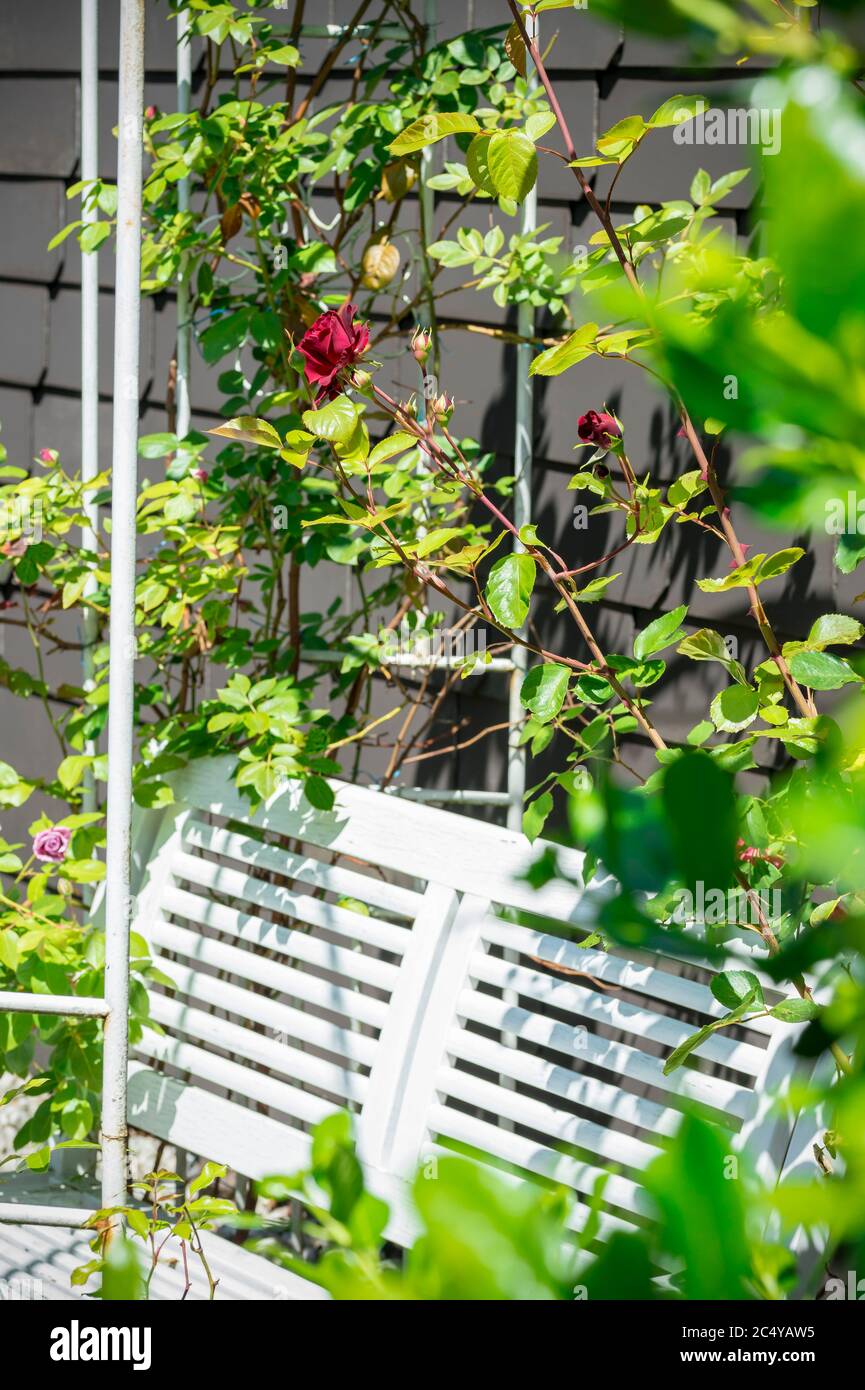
(113,1009)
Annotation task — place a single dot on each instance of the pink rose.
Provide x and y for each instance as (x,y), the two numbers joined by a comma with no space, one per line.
(15,549)
(200,474)
(334,341)
(598,429)
(52,846)
(48,455)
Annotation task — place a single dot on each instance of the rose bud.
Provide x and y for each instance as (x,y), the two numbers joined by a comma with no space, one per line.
(48,455)
(421,342)
(200,474)
(443,409)
(599,429)
(151,112)
(333,342)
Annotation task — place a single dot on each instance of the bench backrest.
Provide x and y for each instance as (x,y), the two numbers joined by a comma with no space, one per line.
(363,957)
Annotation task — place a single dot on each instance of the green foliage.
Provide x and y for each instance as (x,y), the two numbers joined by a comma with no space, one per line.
(231,524)
(163,1225)
(485,1237)
(757,341)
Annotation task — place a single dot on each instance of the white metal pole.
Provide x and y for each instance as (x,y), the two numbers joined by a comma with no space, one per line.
(426,210)
(184,84)
(523,443)
(522,488)
(89,340)
(122,646)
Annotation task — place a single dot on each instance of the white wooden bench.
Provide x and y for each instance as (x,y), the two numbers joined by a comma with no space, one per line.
(363,958)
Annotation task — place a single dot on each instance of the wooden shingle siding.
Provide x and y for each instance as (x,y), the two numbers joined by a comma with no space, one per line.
(600,79)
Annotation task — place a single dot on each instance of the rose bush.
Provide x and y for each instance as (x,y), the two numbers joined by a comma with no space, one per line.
(368,480)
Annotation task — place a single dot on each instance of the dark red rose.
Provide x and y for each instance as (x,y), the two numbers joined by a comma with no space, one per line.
(334,341)
(598,429)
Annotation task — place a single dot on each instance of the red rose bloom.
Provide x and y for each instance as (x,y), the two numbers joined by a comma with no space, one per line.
(334,341)
(598,429)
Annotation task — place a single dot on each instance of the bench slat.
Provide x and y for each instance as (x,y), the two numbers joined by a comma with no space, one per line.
(305,1027)
(628,1018)
(559,1126)
(618,1058)
(243,1081)
(341,921)
(641,978)
(566,1083)
(282,1058)
(259,1009)
(509,1147)
(334,878)
(355,967)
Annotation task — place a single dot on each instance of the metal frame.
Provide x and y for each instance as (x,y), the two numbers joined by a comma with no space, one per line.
(523,470)
(184,326)
(89,170)
(113,1009)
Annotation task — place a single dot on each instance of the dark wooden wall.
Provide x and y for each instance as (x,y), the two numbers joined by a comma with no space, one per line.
(601,77)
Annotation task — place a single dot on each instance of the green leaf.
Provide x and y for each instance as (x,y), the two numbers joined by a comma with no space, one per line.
(389,447)
(10,953)
(757,570)
(733,987)
(538,124)
(684,1050)
(596,588)
(62,235)
(737,578)
(735,708)
(287,55)
(708,645)
(700,809)
(820,671)
(509,589)
(84,870)
(620,139)
(850,552)
(426,130)
(318,793)
(250,430)
(676,110)
(209,1173)
(834,629)
(535,815)
(660,634)
(556,360)
(477,163)
(795,1010)
(778,564)
(93,236)
(512,161)
(225,335)
(122,1279)
(336,421)
(544,689)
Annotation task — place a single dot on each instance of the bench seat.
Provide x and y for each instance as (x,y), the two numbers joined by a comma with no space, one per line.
(392,959)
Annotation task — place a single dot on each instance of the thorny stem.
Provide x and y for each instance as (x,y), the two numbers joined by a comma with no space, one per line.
(842,1061)
(440,458)
(806,708)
